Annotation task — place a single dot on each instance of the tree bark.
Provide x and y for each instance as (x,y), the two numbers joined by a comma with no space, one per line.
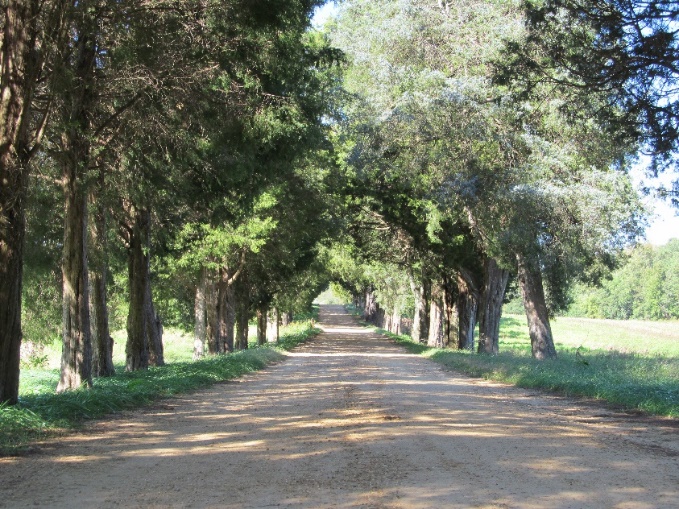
(226,313)
(490,312)
(102,342)
(378,316)
(386,320)
(74,158)
(370,307)
(272,325)
(11,275)
(76,353)
(420,314)
(212,330)
(467,306)
(286,318)
(19,68)
(424,320)
(537,313)
(450,318)
(242,329)
(435,338)
(261,325)
(154,325)
(137,348)
(144,327)
(395,325)
(242,313)
(200,317)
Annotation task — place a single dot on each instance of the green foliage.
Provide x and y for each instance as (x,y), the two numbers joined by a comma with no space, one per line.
(446,167)
(297,333)
(617,52)
(645,287)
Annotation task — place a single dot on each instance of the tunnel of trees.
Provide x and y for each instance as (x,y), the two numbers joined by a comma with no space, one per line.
(206,163)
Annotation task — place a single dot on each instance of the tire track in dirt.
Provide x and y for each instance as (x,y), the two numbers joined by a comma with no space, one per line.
(351,420)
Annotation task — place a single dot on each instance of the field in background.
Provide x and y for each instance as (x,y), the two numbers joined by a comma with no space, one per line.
(177,346)
(623,336)
(632,365)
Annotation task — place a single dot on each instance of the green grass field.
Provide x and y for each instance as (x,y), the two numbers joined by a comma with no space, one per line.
(633,365)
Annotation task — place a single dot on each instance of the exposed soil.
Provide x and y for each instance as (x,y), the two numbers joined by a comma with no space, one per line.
(351,420)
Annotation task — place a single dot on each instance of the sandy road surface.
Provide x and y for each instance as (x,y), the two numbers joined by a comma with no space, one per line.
(350,420)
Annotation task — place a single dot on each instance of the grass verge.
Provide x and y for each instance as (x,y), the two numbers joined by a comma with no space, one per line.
(41,413)
(644,381)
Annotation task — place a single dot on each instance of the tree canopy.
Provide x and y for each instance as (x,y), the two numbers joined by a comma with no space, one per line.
(204,164)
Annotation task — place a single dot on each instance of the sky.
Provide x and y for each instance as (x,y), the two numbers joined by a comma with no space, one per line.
(664,221)
(323,13)
(665,226)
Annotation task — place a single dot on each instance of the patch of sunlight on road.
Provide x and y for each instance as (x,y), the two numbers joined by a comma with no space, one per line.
(345,330)
(349,354)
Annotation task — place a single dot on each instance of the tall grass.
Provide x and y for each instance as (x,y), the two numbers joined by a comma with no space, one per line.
(41,412)
(617,362)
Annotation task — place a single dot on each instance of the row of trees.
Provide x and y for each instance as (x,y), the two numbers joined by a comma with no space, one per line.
(200,154)
(461,184)
(143,133)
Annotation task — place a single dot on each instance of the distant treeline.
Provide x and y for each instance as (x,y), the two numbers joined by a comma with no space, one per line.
(645,287)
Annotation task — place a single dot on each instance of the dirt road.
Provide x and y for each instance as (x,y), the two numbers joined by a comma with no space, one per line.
(351,420)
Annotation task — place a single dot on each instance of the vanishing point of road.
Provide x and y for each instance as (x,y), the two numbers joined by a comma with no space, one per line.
(351,420)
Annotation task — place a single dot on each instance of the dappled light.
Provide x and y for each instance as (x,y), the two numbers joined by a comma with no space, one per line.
(351,420)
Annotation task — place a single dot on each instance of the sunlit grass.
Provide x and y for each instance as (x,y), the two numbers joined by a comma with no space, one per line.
(624,336)
(618,362)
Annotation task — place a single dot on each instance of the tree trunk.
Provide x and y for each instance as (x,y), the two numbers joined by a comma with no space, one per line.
(386,320)
(286,319)
(378,316)
(370,307)
(13,179)
(144,328)
(76,353)
(102,360)
(424,319)
(200,317)
(242,330)
(76,359)
(395,325)
(19,67)
(435,338)
(242,313)
(102,342)
(272,325)
(137,348)
(467,306)
(212,330)
(359,301)
(261,325)
(154,325)
(490,312)
(226,313)
(420,309)
(12,231)
(537,314)
(450,318)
